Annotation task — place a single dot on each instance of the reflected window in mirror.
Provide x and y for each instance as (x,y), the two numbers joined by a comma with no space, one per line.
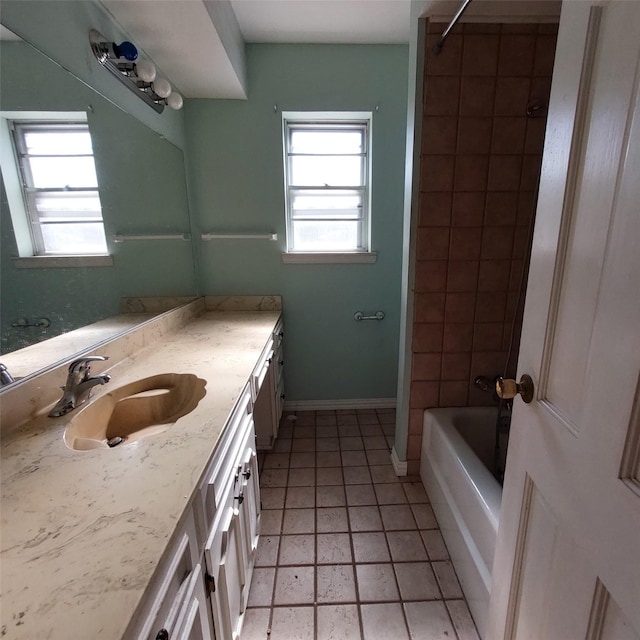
(59,187)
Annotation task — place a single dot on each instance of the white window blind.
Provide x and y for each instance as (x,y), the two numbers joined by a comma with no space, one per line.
(60,187)
(327,169)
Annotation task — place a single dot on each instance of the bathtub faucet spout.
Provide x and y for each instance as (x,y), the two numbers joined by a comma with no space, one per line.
(484,384)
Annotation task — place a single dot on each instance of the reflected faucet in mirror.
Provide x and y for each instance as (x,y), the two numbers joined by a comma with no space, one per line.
(5,376)
(77,389)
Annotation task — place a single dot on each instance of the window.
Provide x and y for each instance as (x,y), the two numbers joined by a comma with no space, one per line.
(60,187)
(327,176)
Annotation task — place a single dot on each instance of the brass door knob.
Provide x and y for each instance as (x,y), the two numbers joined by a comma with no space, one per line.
(508,389)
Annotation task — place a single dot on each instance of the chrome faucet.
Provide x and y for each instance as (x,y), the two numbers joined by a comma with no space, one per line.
(78,387)
(5,376)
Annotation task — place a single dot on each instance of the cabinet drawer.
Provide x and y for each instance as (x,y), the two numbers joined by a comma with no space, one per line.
(224,465)
(170,586)
(261,370)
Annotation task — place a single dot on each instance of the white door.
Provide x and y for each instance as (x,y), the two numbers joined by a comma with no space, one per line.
(568,557)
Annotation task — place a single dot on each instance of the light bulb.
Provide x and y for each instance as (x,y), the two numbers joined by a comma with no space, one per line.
(145,71)
(162,88)
(175,100)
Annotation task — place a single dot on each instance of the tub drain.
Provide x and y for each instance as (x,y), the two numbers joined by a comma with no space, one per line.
(115,441)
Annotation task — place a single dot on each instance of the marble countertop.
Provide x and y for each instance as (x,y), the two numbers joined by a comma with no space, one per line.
(82,531)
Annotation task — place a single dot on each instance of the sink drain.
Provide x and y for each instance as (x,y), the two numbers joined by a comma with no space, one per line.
(115,441)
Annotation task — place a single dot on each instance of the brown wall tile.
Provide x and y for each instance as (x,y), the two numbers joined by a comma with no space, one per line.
(508,135)
(449,60)
(455,366)
(462,275)
(512,96)
(424,394)
(494,275)
(429,307)
(439,134)
(431,275)
(470,173)
(459,307)
(490,306)
(468,209)
(454,393)
(426,366)
(544,56)
(433,243)
(501,209)
(466,243)
(488,335)
(474,135)
(427,337)
(441,96)
(477,96)
(457,337)
(516,55)
(480,55)
(436,173)
(435,209)
(504,173)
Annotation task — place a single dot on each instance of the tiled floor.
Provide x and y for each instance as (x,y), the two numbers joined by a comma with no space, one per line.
(348,550)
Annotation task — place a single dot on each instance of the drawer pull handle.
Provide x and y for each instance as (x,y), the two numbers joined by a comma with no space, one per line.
(282,396)
(281,363)
(247,474)
(240,498)
(163,634)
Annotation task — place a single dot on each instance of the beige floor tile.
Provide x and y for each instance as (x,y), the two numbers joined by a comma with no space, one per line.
(272,498)
(416,581)
(285,430)
(462,620)
(376,583)
(336,583)
(406,546)
(327,476)
(447,579)
(271,522)
(387,418)
(301,497)
(365,519)
(297,549)
(327,444)
(368,418)
(383,622)
(303,444)
(292,623)
(337,622)
(327,431)
(424,516)
(349,431)
(397,517)
(299,521)
(415,492)
(371,430)
(276,461)
(256,624)
(380,457)
(390,493)
(330,496)
(357,475)
(333,548)
(282,445)
(389,430)
(375,442)
(433,541)
(370,547)
(303,459)
(332,520)
(294,585)
(383,473)
(354,459)
(353,443)
(302,478)
(305,418)
(301,431)
(261,590)
(274,478)
(328,459)
(360,494)
(267,553)
(429,621)
(324,419)
(347,419)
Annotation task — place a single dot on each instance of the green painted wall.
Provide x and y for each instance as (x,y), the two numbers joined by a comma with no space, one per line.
(142,190)
(234,162)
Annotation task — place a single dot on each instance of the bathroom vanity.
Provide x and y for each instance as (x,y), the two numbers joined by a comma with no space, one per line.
(153,539)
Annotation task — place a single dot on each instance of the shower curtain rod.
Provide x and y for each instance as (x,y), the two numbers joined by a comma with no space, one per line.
(437,47)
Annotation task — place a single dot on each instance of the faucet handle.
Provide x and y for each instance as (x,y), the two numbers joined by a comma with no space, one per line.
(81,363)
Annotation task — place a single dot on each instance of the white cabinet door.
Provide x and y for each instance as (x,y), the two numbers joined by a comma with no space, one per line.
(194,622)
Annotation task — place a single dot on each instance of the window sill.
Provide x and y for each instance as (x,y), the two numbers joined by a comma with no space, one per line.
(52,262)
(364,257)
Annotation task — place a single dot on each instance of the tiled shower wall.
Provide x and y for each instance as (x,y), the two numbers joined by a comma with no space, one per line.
(479,167)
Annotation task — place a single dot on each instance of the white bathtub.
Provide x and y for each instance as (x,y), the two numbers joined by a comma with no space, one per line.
(457,448)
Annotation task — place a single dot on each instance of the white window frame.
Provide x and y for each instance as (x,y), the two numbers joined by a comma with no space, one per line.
(361,121)
(19,190)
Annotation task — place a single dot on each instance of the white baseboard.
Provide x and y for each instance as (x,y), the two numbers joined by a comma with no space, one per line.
(325,405)
(400,466)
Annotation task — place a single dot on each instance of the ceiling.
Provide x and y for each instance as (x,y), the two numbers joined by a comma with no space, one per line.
(199,44)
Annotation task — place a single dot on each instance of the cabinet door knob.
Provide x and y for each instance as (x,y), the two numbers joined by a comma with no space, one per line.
(281,363)
(247,474)
(163,634)
(282,396)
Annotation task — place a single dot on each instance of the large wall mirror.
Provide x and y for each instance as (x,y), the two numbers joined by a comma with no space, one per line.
(143,191)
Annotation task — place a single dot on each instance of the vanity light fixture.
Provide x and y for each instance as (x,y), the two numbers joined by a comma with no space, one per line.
(139,76)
